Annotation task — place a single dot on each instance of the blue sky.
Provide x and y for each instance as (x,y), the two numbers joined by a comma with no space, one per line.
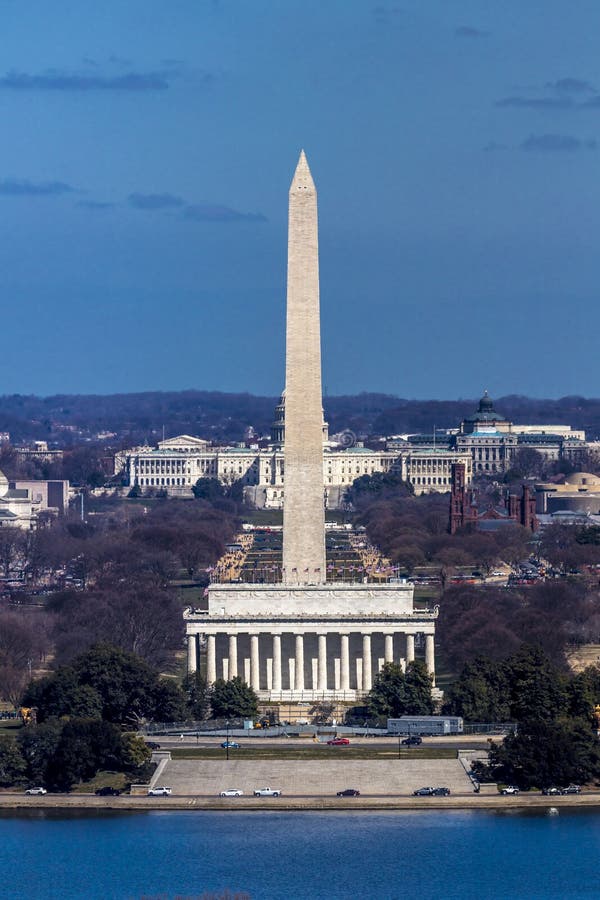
(146,154)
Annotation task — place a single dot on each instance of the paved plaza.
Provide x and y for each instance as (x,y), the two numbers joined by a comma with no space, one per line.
(314,777)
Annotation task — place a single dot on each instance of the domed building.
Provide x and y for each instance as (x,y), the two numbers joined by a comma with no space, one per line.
(485,418)
(488,437)
(579,492)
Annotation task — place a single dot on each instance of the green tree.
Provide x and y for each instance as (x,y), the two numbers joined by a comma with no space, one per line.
(85,747)
(537,688)
(107,683)
(208,489)
(397,693)
(233,699)
(197,692)
(62,694)
(583,693)
(481,693)
(545,753)
(12,763)
(128,686)
(168,701)
(136,752)
(38,745)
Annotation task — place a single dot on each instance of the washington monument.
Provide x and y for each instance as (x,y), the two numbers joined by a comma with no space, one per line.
(303,508)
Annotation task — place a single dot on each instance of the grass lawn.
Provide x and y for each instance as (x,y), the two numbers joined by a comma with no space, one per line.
(313,751)
(101,779)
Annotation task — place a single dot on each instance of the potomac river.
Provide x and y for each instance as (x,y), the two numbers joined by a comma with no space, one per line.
(158,855)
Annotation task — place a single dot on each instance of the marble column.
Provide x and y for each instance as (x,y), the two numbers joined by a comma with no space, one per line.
(232,669)
(211,658)
(410,648)
(322,670)
(276,662)
(366,667)
(389,648)
(254,663)
(430,655)
(299,666)
(192,660)
(345,662)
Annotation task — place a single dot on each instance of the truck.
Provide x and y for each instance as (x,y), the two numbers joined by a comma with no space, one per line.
(425,725)
(267,792)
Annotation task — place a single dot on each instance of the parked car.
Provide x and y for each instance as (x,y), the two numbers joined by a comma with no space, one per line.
(154,745)
(267,792)
(349,792)
(339,742)
(159,792)
(441,792)
(231,792)
(510,789)
(413,740)
(36,790)
(551,791)
(572,789)
(108,791)
(423,792)
(233,745)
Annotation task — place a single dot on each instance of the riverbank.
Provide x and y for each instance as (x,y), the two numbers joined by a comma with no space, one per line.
(287,804)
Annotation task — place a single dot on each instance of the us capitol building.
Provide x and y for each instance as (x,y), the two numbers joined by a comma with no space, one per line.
(307,636)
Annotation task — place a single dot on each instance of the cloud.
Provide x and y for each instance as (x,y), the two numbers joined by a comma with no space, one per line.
(57,81)
(208,213)
(562,94)
(467,31)
(571,86)
(494,147)
(537,102)
(12,187)
(154,201)
(386,15)
(119,61)
(94,204)
(556,143)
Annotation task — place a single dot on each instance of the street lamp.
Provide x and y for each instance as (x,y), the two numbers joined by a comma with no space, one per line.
(227,741)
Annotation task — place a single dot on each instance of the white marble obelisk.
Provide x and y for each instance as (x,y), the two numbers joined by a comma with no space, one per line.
(303,507)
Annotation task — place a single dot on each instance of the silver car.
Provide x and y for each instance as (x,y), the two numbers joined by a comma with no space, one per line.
(231,792)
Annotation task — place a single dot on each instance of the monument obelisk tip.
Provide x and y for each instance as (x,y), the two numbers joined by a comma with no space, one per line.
(302,176)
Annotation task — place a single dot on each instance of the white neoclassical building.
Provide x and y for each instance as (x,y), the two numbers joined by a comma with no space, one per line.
(178,463)
(308,642)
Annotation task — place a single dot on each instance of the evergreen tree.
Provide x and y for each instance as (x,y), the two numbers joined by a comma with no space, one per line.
(197,693)
(12,763)
(233,699)
(546,753)
(537,688)
(397,693)
(481,693)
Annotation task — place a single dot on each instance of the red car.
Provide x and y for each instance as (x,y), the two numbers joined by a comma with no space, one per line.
(338,742)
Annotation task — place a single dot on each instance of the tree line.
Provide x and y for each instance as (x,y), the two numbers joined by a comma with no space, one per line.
(112,578)
(555,742)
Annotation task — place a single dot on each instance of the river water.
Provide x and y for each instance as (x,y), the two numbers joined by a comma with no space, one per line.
(415,855)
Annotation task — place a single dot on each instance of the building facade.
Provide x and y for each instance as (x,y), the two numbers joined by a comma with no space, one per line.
(261,471)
